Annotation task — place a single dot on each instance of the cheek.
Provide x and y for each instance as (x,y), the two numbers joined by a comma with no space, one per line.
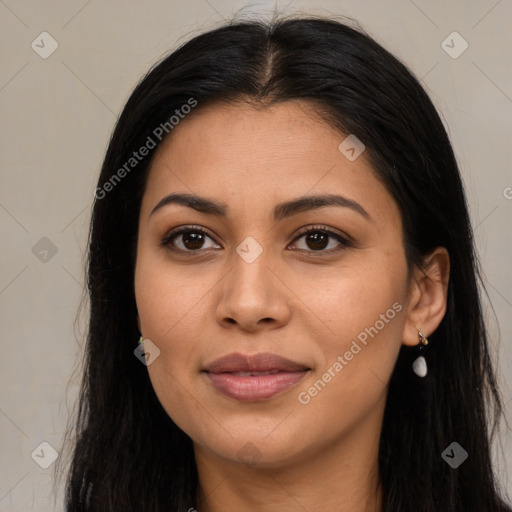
(366,314)
(168,306)
(167,299)
(353,297)
(352,385)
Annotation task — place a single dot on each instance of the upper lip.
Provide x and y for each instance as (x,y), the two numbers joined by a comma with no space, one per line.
(253,363)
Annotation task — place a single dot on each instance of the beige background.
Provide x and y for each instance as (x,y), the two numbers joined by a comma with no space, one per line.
(56,118)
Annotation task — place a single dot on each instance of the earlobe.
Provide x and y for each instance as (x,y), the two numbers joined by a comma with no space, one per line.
(428,296)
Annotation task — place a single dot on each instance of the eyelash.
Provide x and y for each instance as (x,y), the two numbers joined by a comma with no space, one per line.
(344,242)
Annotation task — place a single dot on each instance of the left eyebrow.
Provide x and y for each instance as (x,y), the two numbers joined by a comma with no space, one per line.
(305,203)
(281,211)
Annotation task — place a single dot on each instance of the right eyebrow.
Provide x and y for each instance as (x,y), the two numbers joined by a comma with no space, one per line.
(201,204)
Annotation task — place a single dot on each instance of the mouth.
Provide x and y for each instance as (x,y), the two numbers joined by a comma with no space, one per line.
(251,378)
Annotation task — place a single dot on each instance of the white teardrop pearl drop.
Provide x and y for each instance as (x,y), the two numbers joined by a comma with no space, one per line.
(420,366)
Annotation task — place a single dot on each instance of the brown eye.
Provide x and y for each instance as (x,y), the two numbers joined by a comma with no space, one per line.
(188,240)
(193,240)
(317,239)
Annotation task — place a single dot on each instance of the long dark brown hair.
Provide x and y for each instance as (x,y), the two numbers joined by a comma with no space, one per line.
(128,455)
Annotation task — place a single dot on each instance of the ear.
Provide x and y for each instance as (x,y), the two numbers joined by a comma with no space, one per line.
(428,292)
(138,322)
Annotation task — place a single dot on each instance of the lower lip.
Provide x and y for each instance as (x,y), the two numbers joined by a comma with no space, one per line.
(254,387)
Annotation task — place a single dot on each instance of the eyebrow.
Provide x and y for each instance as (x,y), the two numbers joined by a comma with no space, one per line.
(281,211)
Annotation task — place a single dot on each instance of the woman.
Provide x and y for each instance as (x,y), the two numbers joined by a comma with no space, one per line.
(285,311)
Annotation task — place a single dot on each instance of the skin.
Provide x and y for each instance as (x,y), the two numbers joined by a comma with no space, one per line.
(293,301)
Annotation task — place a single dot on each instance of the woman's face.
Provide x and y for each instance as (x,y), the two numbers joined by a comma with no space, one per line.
(274,344)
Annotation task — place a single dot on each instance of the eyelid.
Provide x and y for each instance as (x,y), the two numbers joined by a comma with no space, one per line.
(331,231)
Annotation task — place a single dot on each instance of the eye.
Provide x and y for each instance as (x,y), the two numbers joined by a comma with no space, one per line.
(188,239)
(318,238)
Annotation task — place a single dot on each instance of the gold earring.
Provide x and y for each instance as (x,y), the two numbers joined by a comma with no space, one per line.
(423,338)
(141,340)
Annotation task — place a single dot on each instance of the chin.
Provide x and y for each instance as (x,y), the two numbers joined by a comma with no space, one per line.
(258,450)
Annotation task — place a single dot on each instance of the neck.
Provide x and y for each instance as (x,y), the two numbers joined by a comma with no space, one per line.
(341,476)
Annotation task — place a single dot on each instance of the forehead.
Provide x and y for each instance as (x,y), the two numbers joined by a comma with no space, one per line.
(236,129)
(261,156)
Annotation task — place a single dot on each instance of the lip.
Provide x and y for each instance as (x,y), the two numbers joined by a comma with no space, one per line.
(261,362)
(250,378)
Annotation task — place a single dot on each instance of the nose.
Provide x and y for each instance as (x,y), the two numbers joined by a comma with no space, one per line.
(252,296)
